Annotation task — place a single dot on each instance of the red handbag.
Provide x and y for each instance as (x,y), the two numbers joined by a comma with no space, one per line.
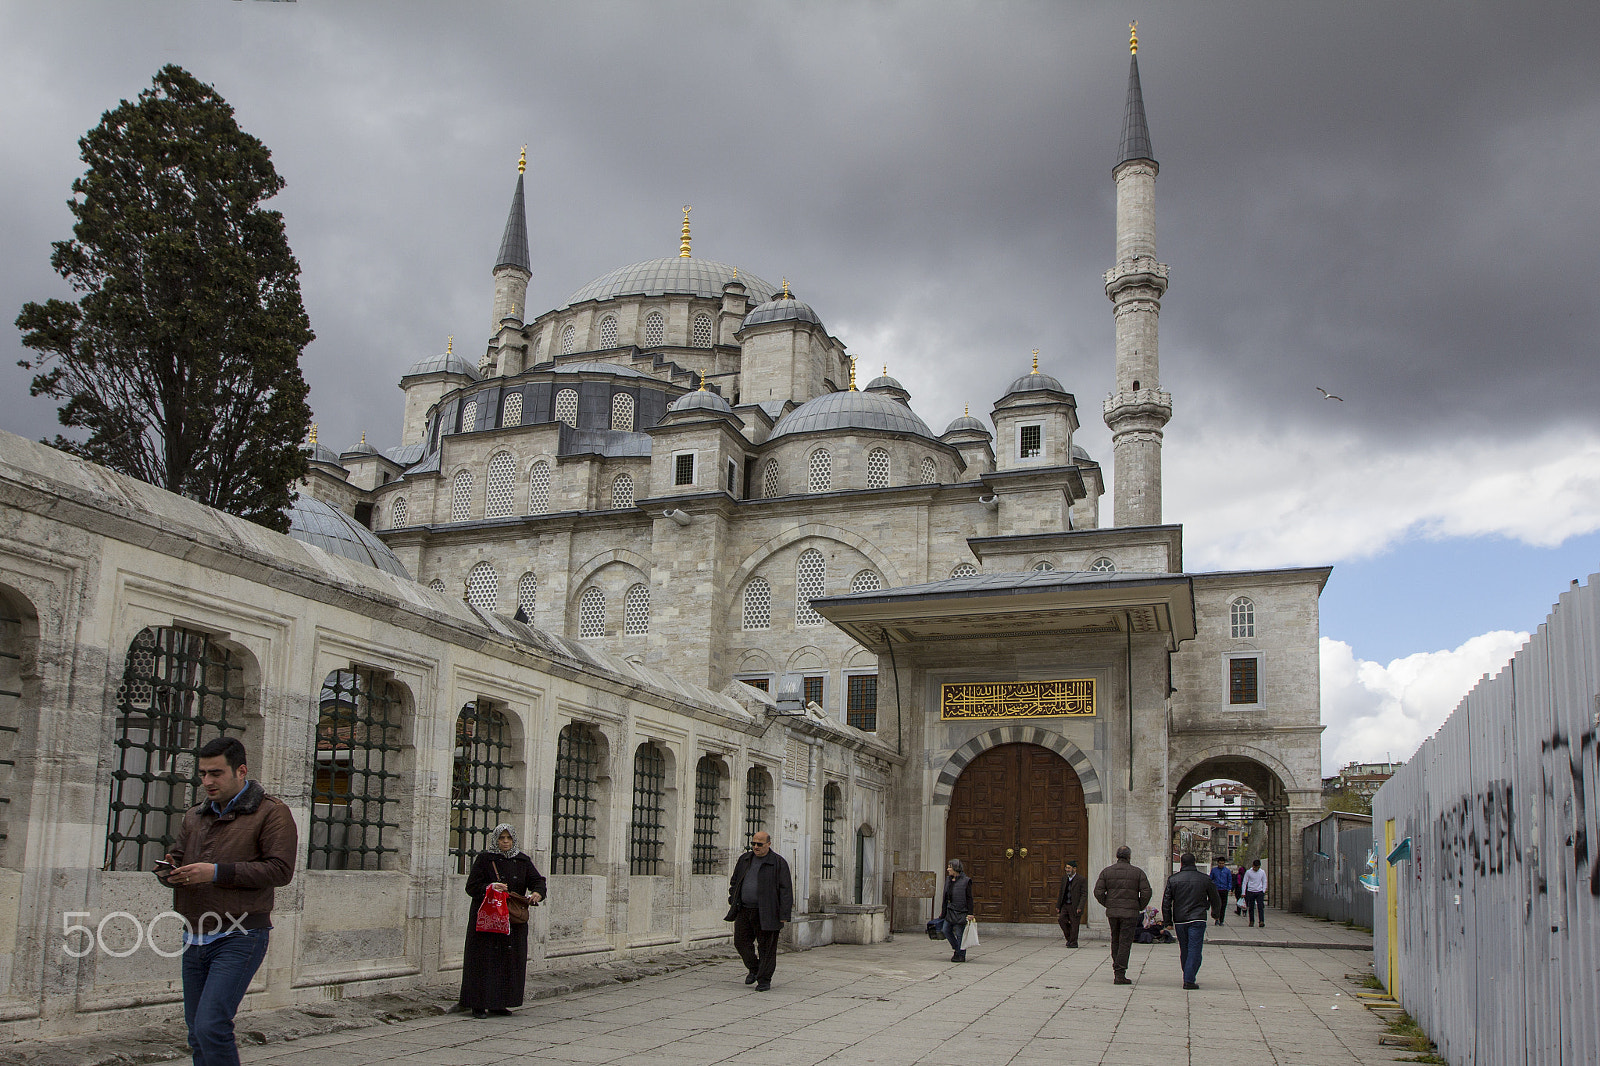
(493,915)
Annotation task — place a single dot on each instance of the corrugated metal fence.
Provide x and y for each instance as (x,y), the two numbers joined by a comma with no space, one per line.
(1491,929)
(1336,851)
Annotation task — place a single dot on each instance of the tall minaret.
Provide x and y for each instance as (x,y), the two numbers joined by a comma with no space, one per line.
(1138,409)
(513,270)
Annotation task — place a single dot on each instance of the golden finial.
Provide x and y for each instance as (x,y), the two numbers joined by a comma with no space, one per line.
(683,249)
(885,369)
(363,437)
(852,375)
(1133,37)
(1036,360)
(966,410)
(450,344)
(522,164)
(702,381)
(786,295)
(735,273)
(311,438)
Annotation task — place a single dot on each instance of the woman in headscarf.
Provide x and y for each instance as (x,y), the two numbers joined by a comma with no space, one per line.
(495,966)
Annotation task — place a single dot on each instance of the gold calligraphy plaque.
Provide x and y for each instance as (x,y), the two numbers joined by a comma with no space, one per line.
(1072,698)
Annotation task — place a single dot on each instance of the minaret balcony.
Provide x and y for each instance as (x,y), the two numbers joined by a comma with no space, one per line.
(1141,272)
(1138,408)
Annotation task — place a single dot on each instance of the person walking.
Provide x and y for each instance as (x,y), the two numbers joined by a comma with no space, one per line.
(1255,894)
(760,900)
(1222,877)
(1238,891)
(1189,897)
(494,966)
(232,850)
(1123,890)
(956,907)
(1070,903)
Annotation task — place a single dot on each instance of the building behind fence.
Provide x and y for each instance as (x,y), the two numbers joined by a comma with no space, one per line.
(1488,925)
(1336,850)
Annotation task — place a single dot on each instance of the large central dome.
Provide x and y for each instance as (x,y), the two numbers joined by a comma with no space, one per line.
(657,277)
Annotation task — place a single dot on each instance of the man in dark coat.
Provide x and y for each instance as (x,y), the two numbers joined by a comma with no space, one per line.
(1191,897)
(760,899)
(1124,891)
(1070,903)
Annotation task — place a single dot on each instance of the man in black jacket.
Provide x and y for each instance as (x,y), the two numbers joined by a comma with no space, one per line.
(760,899)
(1123,890)
(1191,897)
(1070,902)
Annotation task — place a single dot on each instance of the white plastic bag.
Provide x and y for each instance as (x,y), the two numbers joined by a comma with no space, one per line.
(969,935)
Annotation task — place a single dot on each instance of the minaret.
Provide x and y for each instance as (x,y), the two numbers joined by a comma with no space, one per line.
(1138,409)
(512,270)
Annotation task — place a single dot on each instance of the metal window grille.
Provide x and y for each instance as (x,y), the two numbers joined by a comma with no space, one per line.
(1043,566)
(636,610)
(622,491)
(964,570)
(655,329)
(733,475)
(10,713)
(1242,680)
(761,683)
(769,481)
(497,491)
(481,785)
(866,581)
(809,575)
(861,707)
(461,497)
(398,513)
(757,794)
(178,691)
(572,822)
(707,804)
(701,336)
(647,835)
(592,613)
(1030,441)
(1242,613)
(539,488)
(830,832)
(511,412)
(1102,565)
(878,469)
(813,689)
(567,407)
(436,585)
(757,604)
(527,593)
(930,471)
(569,340)
(683,469)
(469,416)
(483,587)
(621,411)
(356,773)
(608,331)
(819,471)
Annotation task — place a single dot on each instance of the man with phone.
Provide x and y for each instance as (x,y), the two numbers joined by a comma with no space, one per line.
(232,850)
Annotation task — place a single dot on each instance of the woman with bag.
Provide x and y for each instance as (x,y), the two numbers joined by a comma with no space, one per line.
(956,908)
(503,884)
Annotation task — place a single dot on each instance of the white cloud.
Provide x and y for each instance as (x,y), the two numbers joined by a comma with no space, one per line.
(1374,712)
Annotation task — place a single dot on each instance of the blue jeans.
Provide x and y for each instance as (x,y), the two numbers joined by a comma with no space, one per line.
(1191,942)
(215,977)
(953,928)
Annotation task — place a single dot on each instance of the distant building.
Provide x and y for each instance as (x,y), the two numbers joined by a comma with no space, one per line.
(1359,779)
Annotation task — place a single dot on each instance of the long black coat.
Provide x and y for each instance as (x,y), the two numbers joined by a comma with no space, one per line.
(494,969)
(957,903)
(774,890)
(1072,896)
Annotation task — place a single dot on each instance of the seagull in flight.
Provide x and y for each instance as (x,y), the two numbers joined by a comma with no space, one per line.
(1326,395)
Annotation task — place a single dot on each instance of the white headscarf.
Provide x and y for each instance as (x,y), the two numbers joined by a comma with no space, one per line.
(494,842)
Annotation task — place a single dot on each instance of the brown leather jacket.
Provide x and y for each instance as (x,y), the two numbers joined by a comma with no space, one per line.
(254,846)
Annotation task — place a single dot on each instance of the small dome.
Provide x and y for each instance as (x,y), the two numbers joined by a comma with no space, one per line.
(448,363)
(783,309)
(967,424)
(1079,453)
(679,274)
(701,400)
(321,453)
(1035,382)
(323,526)
(362,448)
(884,382)
(851,410)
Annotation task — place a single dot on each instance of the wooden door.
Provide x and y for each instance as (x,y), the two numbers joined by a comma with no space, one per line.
(1017,798)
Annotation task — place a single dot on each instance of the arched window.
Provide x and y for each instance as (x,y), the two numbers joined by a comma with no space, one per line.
(622,491)
(469,416)
(708,778)
(622,411)
(511,411)
(636,610)
(527,593)
(930,471)
(569,340)
(608,331)
(567,407)
(436,585)
(482,785)
(1102,565)
(648,836)
(1043,566)
(819,471)
(809,575)
(461,497)
(866,581)
(700,334)
(757,801)
(483,587)
(397,513)
(1242,615)
(497,492)
(655,330)
(538,343)
(964,570)
(574,800)
(539,488)
(878,469)
(830,832)
(592,613)
(757,604)
(356,790)
(769,480)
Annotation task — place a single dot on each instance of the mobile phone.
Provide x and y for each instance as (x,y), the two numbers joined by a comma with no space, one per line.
(164,866)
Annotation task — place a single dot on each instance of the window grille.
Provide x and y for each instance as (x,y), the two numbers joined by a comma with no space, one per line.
(355,795)
(511,412)
(483,587)
(608,331)
(1030,441)
(398,513)
(861,708)
(527,593)
(757,604)
(757,794)
(762,683)
(539,488)
(1043,566)
(733,476)
(930,471)
(469,416)
(813,689)
(701,335)
(866,581)
(1243,680)
(819,471)
(436,585)
(683,469)
(592,613)
(769,481)
(461,497)
(636,610)
(1242,613)
(481,787)
(1102,565)
(878,469)
(655,330)
(809,575)
(622,491)
(964,570)
(497,492)
(567,407)
(647,838)
(178,691)
(707,806)
(569,340)
(830,832)
(622,411)
(574,800)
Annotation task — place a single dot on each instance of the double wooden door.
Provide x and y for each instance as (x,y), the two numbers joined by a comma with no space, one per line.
(1016,816)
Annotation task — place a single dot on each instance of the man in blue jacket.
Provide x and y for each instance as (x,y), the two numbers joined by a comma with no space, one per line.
(760,899)
(1222,877)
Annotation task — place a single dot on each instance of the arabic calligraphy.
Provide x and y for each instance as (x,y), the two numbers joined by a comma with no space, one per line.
(1071,698)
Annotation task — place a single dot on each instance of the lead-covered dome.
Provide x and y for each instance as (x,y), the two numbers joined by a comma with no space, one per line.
(851,410)
(444,363)
(701,400)
(782,309)
(679,275)
(324,526)
(967,424)
(1035,382)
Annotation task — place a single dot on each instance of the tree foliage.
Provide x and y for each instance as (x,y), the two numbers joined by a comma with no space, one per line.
(181,358)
